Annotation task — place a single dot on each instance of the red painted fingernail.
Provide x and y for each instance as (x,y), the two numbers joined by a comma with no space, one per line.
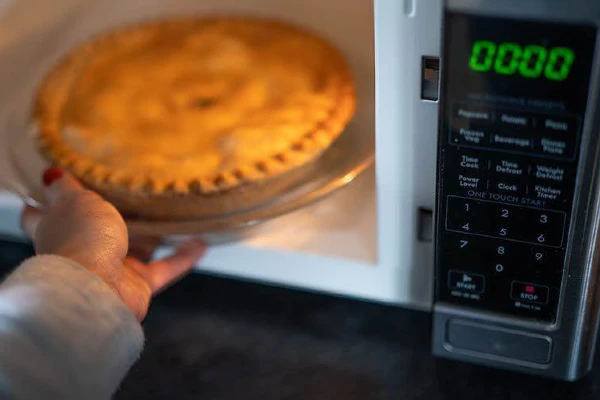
(51,174)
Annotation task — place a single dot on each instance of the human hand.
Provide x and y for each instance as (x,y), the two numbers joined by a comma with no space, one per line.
(78,224)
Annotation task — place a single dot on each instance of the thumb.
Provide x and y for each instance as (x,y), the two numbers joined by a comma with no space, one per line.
(58,184)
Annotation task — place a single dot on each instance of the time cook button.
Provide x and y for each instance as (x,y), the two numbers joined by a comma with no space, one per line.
(529,292)
(470,162)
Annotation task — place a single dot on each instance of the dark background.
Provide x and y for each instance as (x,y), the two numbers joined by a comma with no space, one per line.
(218,339)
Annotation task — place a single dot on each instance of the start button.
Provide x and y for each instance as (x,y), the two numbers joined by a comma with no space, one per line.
(466,281)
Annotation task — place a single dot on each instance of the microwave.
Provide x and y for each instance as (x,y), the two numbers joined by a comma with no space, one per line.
(482,203)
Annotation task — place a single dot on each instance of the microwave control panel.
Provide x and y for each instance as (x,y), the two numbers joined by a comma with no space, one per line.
(514,97)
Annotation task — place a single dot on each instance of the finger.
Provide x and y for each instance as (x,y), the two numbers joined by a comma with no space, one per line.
(58,184)
(143,248)
(134,263)
(30,219)
(163,273)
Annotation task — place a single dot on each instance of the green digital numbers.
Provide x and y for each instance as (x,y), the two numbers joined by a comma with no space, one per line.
(482,55)
(530,61)
(533,61)
(508,59)
(559,63)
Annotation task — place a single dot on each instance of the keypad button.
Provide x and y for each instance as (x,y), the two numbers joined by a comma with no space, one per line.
(471,163)
(466,281)
(546,192)
(548,173)
(529,292)
(555,145)
(514,120)
(542,257)
(469,135)
(508,167)
(504,213)
(565,126)
(502,250)
(548,238)
(507,185)
(499,267)
(463,115)
(464,252)
(469,181)
(539,255)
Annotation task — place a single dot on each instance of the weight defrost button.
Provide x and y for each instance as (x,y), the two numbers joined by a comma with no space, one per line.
(549,172)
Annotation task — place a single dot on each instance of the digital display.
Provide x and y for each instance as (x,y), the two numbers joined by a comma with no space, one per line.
(530,61)
(512,103)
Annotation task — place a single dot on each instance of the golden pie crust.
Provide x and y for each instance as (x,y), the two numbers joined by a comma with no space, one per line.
(187,118)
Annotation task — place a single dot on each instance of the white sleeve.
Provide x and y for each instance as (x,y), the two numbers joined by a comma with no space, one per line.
(64,334)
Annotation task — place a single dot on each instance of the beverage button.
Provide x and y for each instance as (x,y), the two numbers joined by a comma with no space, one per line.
(529,292)
(466,281)
(511,141)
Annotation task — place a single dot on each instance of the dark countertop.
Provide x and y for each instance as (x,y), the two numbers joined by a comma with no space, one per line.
(213,338)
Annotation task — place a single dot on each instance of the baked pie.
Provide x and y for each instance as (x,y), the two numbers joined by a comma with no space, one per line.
(187,118)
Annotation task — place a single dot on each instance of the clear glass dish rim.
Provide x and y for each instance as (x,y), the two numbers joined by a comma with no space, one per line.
(304,194)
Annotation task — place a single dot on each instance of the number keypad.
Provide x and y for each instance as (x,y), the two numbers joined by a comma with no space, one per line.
(505,221)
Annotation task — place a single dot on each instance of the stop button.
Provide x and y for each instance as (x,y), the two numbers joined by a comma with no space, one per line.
(529,292)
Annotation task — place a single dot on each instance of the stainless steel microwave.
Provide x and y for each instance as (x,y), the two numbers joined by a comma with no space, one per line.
(482,205)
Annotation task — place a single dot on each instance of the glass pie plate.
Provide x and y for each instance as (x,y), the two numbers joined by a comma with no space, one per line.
(338,166)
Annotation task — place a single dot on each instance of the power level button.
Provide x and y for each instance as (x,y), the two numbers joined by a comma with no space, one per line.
(529,292)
